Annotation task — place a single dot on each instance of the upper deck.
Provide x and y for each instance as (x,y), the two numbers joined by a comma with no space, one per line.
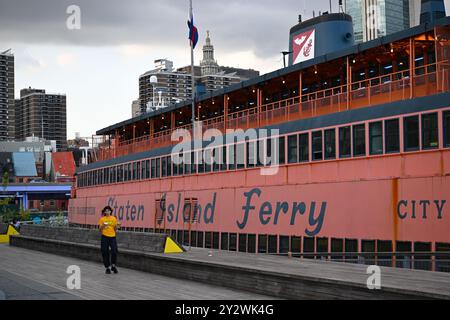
(407,65)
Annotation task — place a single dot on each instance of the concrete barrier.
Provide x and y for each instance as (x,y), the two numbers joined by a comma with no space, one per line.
(143,242)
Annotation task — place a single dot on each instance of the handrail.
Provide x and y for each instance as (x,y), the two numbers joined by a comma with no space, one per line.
(400,79)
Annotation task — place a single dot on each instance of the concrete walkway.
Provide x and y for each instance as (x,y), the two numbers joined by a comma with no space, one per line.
(27,274)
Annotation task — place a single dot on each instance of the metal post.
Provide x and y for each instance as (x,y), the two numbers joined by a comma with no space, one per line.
(193,77)
(412,65)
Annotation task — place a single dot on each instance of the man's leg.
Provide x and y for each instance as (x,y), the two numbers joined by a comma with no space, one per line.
(105,252)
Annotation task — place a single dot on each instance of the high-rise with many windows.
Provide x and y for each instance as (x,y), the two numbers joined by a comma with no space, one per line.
(41,115)
(7,131)
(377,18)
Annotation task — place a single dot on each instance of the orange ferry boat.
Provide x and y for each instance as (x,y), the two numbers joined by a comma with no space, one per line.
(363,148)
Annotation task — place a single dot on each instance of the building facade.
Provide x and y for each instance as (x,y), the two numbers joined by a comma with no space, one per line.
(7,128)
(377,18)
(175,85)
(41,115)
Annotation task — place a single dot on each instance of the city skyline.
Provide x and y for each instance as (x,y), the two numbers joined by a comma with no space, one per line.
(98,66)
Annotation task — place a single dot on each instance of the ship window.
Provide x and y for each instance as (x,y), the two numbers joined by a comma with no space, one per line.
(368,248)
(164,167)
(200,239)
(186,163)
(147,169)
(143,170)
(391,131)
(223,164)
(208,240)
(120,173)
(317,151)
(193,163)
(272,244)
(262,243)
(135,175)
(446,117)
(345,150)
(284,244)
(251,243)
(194,238)
(232,157)
(208,160)
(130,171)
(215,240)
(304,147)
(322,245)
(403,260)
(442,260)
(292,149)
(337,246)
(153,168)
(233,241)
(384,250)
(216,159)
(411,133)
(308,246)
(430,131)
(281,150)
(376,138)
(158,168)
(359,140)
(351,249)
(251,162)
(296,243)
(240,156)
(422,261)
(224,241)
(330,144)
(242,243)
(180,164)
(201,162)
(169,166)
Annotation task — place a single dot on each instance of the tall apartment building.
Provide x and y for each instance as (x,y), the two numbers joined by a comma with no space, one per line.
(377,18)
(7,128)
(41,115)
(170,86)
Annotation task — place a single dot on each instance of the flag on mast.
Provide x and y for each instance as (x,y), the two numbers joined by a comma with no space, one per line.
(193,31)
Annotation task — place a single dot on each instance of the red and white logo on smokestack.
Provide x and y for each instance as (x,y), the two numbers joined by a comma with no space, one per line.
(303,46)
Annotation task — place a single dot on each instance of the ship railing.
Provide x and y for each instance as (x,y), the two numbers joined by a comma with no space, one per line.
(427,79)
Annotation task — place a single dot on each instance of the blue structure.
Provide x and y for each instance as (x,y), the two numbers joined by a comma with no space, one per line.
(30,191)
(24,164)
(328,33)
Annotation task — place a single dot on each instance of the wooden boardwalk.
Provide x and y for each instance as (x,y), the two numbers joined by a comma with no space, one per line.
(27,274)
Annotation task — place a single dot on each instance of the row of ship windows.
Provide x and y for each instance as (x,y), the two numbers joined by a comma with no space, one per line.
(419,132)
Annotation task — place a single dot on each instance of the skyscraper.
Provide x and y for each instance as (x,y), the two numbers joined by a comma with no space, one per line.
(41,115)
(7,130)
(377,18)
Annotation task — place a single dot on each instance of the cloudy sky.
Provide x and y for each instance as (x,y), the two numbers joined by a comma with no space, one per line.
(99,65)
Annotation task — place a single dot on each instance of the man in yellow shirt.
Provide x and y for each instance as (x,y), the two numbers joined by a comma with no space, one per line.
(108,226)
